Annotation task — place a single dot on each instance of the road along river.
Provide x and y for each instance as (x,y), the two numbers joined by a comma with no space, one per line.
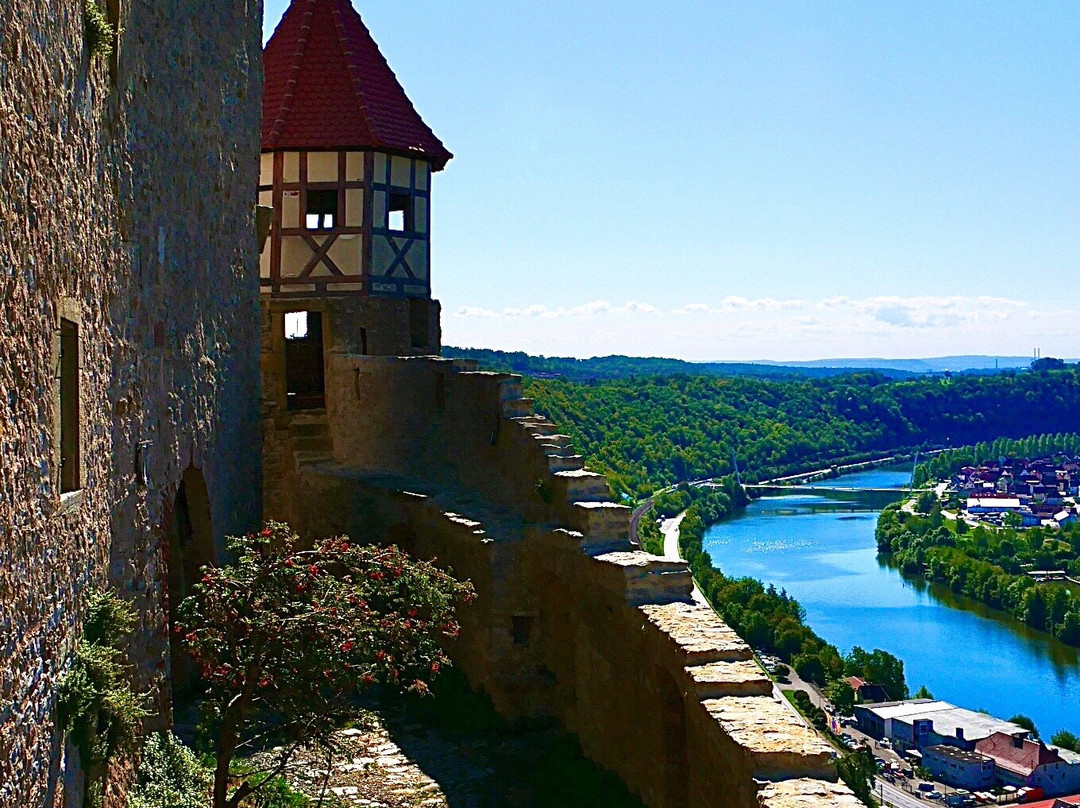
(821,549)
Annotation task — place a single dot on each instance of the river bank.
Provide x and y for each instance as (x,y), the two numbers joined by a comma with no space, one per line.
(820,548)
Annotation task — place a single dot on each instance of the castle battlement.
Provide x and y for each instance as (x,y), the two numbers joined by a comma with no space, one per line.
(171,359)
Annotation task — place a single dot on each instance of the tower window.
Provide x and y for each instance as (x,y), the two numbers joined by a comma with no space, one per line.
(400,213)
(69,406)
(322,210)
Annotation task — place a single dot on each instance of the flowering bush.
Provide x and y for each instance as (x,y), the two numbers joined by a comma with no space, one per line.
(286,638)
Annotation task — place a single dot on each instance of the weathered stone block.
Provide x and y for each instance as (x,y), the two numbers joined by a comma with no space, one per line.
(806,793)
(695,633)
(777,742)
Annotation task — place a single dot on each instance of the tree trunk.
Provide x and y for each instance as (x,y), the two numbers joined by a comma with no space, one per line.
(225,750)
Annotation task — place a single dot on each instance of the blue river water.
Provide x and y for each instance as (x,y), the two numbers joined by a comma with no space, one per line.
(821,549)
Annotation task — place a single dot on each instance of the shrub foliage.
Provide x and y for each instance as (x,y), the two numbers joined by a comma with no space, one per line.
(287,637)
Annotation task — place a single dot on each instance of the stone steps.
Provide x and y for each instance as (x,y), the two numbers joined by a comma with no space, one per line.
(510,389)
(581,485)
(740,678)
(602,521)
(309,434)
(308,458)
(643,579)
(537,425)
(517,407)
(553,444)
(566,462)
(309,429)
(313,444)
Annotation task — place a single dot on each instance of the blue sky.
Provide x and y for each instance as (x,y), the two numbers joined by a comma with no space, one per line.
(749,180)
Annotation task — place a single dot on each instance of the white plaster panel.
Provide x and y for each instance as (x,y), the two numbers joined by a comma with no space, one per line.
(290,209)
(322,167)
(380,167)
(345,252)
(354,167)
(420,213)
(264,261)
(354,208)
(378,209)
(400,172)
(423,169)
(291,170)
(266,198)
(295,254)
(418,259)
(382,255)
(266,169)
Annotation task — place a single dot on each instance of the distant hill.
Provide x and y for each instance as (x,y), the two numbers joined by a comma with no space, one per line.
(941,364)
(608,368)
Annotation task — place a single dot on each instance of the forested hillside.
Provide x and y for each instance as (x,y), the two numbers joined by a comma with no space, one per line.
(608,368)
(649,432)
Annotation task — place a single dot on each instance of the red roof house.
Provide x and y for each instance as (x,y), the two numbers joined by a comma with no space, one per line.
(1057,802)
(1018,756)
(327,86)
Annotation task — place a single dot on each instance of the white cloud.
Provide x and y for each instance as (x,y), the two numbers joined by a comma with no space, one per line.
(745,328)
(589,309)
(474,311)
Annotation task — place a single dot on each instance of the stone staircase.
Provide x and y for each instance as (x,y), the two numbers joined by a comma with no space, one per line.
(309,435)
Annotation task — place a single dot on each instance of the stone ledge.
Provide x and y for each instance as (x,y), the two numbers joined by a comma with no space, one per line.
(805,793)
(718,679)
(777,741)
(644,578)
(699,635)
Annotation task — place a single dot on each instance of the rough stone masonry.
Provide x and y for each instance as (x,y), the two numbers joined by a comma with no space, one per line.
(128,278)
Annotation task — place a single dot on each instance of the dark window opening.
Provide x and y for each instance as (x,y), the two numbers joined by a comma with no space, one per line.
(521,629)
(69,406)
(363,342)
(322,210)
(400,213)
(440,392)
(419,322)
(304,371)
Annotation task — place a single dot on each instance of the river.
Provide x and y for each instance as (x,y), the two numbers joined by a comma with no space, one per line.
(821,549)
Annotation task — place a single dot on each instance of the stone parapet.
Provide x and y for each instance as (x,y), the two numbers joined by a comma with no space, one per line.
(572,622)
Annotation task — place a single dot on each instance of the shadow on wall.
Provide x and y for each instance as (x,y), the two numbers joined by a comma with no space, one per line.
(189,545)
(479,759)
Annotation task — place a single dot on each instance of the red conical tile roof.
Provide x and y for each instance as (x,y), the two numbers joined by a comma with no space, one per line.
(327,86)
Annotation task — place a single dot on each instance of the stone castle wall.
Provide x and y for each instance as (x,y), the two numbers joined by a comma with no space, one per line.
(128,209)
(572,622)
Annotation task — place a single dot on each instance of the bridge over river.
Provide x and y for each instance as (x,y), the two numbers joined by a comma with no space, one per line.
(758,489)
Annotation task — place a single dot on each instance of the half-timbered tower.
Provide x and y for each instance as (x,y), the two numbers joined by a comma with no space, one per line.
(346,180)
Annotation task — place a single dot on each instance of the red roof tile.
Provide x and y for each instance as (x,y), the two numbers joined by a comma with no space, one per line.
(1054,803)
(327,86)
(1023,759)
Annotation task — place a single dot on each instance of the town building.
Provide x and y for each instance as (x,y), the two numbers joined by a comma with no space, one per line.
(866,692)
(958,768)
(1029,762)
(921,723)
(1042,492)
